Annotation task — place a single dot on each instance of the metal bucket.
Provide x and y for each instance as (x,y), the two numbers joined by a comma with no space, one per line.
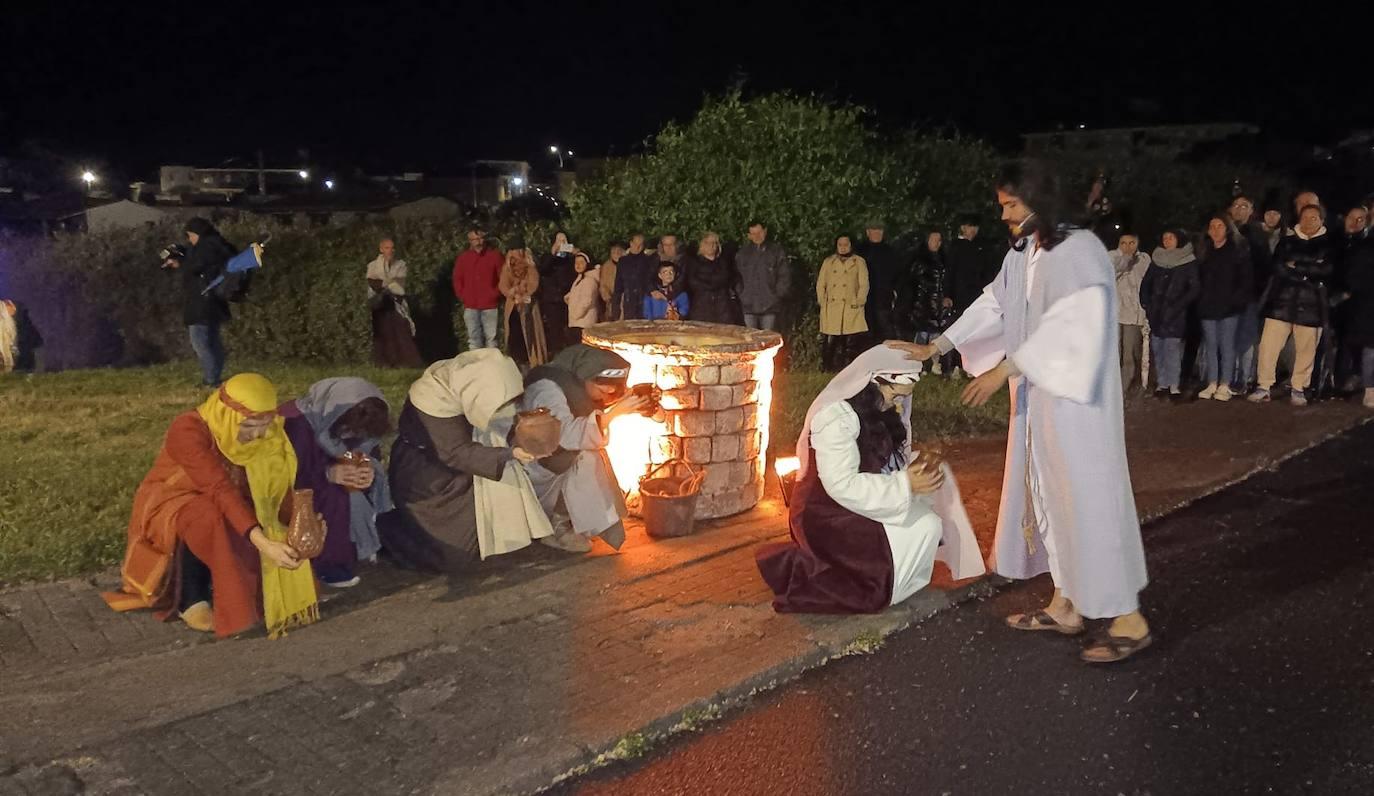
(668,505)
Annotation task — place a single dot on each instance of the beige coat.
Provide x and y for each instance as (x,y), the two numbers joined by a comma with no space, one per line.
(841,290)
(584,300)
(607,277)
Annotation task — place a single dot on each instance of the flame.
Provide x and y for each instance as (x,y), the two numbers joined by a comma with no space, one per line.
(632,440)
(786,465)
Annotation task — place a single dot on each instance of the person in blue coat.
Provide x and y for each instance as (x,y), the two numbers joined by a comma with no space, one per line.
(667,302)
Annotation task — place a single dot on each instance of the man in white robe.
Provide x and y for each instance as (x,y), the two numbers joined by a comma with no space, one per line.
(1047,324)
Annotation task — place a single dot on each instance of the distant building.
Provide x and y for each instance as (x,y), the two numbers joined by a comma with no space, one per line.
(122,214)
(1115,143)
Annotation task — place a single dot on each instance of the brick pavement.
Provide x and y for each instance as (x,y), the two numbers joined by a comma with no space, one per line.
(500,682)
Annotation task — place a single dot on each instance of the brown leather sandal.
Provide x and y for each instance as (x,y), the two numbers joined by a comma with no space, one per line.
(1040,620)
(1118,648)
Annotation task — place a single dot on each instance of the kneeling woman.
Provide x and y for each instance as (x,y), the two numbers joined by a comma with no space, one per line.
(337,418)
(207,539)
(584,388)
(867,517)
(460,492)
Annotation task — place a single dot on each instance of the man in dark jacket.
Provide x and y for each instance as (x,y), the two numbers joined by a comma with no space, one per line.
(202,310)
(1355,246)
(967,265)
(633,279)
(1358,268)
(765,278)
(886,272)
(1253,239)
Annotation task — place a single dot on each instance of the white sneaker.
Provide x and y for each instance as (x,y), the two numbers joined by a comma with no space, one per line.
(1223,393)
(1260,395)
(1369,398)
(344,584)
(957,373)
(570,541)
(935,369)
(1297,398)
(1208,393)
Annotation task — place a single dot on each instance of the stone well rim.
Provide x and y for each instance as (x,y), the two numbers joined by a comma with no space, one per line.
(750,341)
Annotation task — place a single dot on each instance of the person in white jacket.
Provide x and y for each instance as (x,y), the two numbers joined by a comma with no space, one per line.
(1130,265)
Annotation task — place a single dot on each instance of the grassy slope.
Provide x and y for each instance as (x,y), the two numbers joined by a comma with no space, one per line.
(76,444)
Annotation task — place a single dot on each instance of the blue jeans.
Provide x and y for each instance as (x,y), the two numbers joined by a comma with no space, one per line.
(1219,350)
(209,348)
(767,321)
(1247,347)
(1168,356)
(481,328)
(1367,368)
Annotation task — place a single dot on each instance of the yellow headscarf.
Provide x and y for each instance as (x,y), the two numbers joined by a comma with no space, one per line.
(288,596)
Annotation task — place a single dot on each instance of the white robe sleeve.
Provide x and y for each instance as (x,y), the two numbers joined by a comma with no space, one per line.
(579,433)
(978,334)
(882,497)
(397,282)
(1064,356)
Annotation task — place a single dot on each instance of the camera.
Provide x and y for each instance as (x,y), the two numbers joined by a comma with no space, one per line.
(171,252)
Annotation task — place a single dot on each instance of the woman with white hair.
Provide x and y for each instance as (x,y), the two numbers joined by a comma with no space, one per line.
(870,515)
(712,283)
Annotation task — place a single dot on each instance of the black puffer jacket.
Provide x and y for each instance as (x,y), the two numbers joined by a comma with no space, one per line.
(1298,288)
(203,263)
(1170,286)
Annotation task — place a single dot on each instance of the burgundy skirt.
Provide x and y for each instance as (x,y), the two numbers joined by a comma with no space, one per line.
(838,562)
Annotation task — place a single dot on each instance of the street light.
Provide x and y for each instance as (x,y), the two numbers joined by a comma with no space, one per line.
(305,175)
(554,150)
(329,185)
(518,181)
(88,177)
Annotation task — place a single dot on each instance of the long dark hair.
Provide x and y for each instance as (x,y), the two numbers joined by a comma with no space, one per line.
(1038,187)
(882,435)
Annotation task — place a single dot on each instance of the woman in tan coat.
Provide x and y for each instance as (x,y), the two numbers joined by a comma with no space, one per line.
(518,282)
(842,291)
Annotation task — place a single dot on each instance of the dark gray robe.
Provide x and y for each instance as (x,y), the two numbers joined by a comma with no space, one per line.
(432,467)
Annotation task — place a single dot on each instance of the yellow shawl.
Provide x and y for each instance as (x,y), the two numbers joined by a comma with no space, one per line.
(288,596)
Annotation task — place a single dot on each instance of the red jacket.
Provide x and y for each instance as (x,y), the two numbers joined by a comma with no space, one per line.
(475,279)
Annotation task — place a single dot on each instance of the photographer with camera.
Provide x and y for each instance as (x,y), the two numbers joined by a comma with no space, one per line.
(202,310)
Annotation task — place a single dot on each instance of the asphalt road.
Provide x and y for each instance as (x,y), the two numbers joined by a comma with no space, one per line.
(1261,678)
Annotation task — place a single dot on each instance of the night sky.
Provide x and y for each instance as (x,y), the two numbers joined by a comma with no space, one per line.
(392,87)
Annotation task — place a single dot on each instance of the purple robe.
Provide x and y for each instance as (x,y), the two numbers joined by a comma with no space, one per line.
(337,561)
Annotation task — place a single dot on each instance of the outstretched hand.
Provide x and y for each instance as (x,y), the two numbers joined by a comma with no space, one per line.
(980,390)
(918,352)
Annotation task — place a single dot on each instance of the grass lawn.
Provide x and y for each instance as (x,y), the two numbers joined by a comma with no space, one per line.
(77,444)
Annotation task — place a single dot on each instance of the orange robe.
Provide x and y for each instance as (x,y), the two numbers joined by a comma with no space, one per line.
(196,496)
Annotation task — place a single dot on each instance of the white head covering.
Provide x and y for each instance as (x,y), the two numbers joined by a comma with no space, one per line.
(959,548)
(474,384)
(879,361)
